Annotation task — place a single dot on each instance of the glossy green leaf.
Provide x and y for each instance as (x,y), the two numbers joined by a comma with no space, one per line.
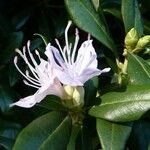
(123,106)
(85,16)
(131,16)
(59,138)
(112,136)
(138,70)
(32,136)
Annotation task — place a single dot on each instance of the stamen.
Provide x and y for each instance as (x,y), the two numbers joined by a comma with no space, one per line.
(89,36)
(66,40)
(27,74)
(29,65)
(38,54)
(19,52)
(26,83)
(75,45)
(63,54)
(15,62)
(31,56)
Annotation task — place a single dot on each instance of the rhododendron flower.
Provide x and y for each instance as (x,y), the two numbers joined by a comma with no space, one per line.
(74,67)
(41,78)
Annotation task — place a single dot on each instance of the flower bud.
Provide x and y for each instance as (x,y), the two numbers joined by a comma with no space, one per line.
(142,42)
(74,96)
(131,39)
(69,91)
(78,96)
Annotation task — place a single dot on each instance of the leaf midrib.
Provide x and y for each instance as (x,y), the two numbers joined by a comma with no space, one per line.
(124,102)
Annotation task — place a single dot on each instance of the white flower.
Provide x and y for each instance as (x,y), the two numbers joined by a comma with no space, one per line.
(41,78)
(71,67)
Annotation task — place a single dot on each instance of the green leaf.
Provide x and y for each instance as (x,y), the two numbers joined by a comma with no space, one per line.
(13,75)
(114,11)
(43,24)
(32,136)
(131,16)
(123,106)
(8,133)
(146,26)
(85,16)
(59,139)
(52,102)
(6,97)
(112,136)
(15,40)
(6,143)
(138,70)
(96,4)
(73,137)
(140,136)
(90,91)
(9,129)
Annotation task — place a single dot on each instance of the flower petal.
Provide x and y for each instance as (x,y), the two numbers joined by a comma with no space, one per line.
(66,79)
(53,54)
(26,102)
(86,57)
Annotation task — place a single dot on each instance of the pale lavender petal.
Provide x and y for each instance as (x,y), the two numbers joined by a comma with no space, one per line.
(52,53)
(105,70)
(86,57)
(50,89)
(66,79)
(26,102)
(88,74)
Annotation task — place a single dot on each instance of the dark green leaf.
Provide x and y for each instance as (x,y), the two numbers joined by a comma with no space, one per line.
(8,133)
(59,139)
(112,136)
(138,70)
(131,16)
(43,24)
(123,106)
(146,26)
(6,143)
(13,75)
(140,136)
(32,136)
(86,17)
(21,19)
(6,97)
(114,11)
(52,103)
(90,91)
(15,40)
